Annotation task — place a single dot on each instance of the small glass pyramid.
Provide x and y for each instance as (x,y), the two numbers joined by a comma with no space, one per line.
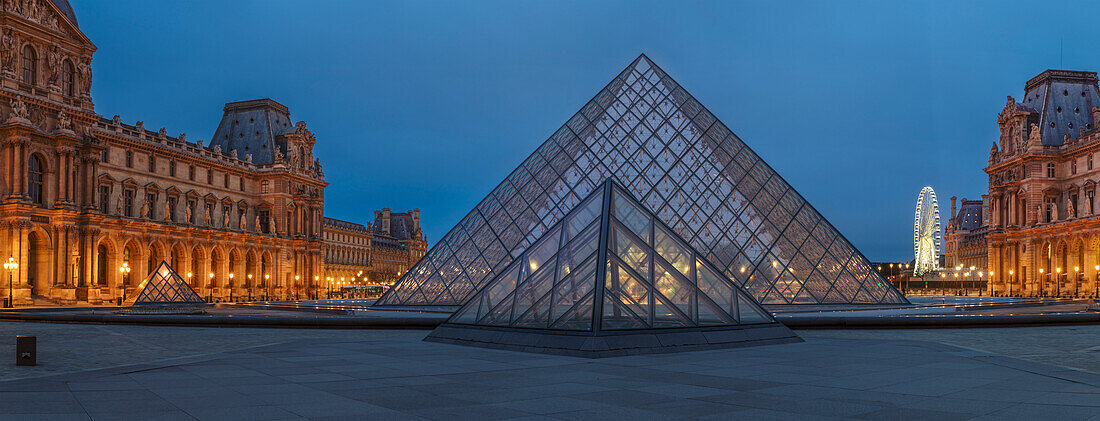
(165,286)
(611,268)
(707,186)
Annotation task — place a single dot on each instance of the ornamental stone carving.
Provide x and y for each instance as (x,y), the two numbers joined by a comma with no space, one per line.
(206,219)
(19,112)
(53,68)
(64,123)
(144,209)
(84,71)
(7,53)
(167,215)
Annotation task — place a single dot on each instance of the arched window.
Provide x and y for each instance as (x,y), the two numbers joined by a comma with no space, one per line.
(30,65)
(34,179)
(67,78)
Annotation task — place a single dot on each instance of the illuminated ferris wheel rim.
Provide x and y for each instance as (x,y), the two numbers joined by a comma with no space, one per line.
(926,232)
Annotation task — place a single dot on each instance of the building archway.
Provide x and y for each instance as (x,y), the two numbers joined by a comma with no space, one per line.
(38,262)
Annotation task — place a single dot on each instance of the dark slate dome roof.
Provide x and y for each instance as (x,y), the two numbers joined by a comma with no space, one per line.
(66,8)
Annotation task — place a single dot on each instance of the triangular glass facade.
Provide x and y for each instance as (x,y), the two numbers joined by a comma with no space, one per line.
(651,278)
(648,134)
(165,286)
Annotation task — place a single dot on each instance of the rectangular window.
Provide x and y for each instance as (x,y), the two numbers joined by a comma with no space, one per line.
(263,186)
(128,203)
(129,159)
(152,163)
(1073,166)
(1089,166)
(104,199)
(172,202)
(172,168)
(1050,170)
(225,180)
(191,172)
(240,182)
(106,155)
(209,176)
(151,203)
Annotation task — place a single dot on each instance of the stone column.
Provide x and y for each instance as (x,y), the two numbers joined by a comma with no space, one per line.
(17,168)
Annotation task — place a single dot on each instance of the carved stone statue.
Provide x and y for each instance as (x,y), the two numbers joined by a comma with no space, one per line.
(278,154)
(118,206)
(271,224)
(233,153)
(64,124)
(84,68)
(1053,212)
(258,223)
(248,158)
(218,150)
(1071,208)
(53,67)
(182,138)
(240,223)
(1034,138)
(18,112)
(225,217)
(198,143)
(7,60)
(187,214)
(207,218)
(167,215)
(144,209)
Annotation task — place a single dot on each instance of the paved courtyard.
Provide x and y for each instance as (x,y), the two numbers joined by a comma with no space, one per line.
(354,374)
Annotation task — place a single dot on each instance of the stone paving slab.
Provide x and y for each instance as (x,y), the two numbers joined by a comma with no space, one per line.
(823,378)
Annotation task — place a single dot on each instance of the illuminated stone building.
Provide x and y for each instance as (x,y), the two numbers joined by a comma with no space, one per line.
(372,254)
(964,238)
(1043,224)
(82,196)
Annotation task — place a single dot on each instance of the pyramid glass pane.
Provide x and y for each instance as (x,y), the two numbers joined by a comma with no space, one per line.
(640,288)
(165,286)
(694,175)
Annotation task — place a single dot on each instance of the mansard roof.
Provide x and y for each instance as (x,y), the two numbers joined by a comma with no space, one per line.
(253,127)
(67,9)
(969,217)
(1064,101)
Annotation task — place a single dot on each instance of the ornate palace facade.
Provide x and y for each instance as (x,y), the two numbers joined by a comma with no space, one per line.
(373,254)
(964,239)
(1044,226)
(90,205)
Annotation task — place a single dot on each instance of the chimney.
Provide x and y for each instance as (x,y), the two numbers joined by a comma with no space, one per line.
(416,219)
(953,198)
(385,221)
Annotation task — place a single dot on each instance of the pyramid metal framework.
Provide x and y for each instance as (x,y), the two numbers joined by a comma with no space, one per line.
(647,133)
(165,286)
(611,268)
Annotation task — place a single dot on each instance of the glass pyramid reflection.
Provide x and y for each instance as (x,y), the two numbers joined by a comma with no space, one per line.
(609,267)
(647,133)
(165,286)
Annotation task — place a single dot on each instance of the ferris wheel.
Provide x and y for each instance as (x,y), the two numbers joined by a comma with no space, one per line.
(926,233)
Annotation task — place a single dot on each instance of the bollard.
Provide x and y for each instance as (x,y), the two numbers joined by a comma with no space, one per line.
(25,350)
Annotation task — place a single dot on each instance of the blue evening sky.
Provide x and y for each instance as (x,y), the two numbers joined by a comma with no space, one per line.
(430,104)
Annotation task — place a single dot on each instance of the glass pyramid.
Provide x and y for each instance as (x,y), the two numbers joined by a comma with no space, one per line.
(165,286)
(609,267)
(648,134)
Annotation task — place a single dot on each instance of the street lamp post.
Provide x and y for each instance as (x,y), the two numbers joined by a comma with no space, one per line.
(125,271)
(267,285)
(230,286)
(1042,283)
(250,287)
(210,288)
(295,287)
(1010,280)
(1076,280)
(11,266)
(1058,283)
